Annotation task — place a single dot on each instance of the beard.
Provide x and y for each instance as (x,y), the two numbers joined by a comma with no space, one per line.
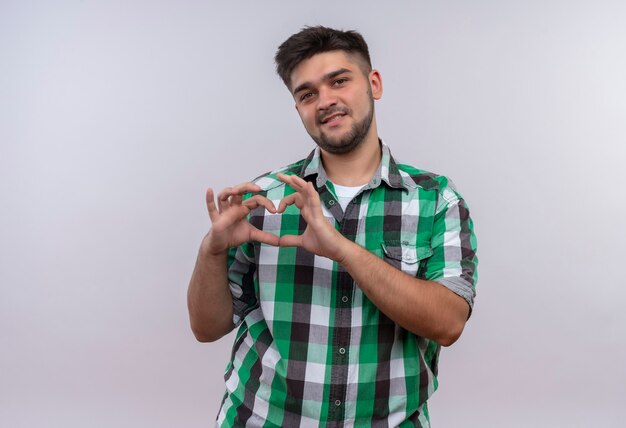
(352,139)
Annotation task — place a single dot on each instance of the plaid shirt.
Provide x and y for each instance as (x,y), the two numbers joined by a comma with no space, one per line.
(311,348)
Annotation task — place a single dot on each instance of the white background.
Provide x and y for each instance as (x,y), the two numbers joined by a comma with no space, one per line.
(115,116)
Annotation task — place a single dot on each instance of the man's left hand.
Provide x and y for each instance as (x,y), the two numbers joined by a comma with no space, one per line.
(319,237)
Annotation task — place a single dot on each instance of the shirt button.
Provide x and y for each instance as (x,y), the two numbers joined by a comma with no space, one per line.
(342,351)
(331,202)
(337,402)
(344,299)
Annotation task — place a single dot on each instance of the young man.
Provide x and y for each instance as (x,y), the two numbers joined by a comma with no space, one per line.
(344,272)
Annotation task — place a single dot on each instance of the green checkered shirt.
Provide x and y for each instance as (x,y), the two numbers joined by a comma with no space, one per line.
(311,348)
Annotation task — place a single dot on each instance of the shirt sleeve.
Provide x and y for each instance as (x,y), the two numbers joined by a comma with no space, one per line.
(241,272)
(454,262)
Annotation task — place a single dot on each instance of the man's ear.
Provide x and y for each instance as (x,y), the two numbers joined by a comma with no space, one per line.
(376,83)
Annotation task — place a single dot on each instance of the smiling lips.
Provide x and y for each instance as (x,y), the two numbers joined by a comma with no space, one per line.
(332,117)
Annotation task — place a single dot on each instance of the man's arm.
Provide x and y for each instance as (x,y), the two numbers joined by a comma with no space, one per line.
(209,300)
(208,297)
(425,308)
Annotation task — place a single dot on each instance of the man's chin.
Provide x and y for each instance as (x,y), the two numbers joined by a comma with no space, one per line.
(337,147)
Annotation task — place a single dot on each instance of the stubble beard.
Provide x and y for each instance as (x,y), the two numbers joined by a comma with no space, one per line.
(352,139)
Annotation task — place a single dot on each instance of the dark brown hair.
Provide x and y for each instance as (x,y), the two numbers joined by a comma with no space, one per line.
(313,40)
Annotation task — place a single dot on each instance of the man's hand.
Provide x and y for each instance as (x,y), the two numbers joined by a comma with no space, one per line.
(319,237)
(208,298)
(230,227)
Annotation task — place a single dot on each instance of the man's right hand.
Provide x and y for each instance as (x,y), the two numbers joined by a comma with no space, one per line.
(230,227)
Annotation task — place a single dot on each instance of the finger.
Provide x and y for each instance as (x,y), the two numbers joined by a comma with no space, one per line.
(223,197)
(228,197)
(264,237)
(241,189)
(235,199)
(300,185)
(307,196)
(285,202)
(210,204)
(290,180)
(257,201)
(290,241)
(234,195)
(292,199)
(247,187)
(310,193)
(304,187)
(225,194)
(228,192)
(298,180)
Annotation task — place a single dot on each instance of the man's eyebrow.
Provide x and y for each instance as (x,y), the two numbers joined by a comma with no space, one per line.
(327,76)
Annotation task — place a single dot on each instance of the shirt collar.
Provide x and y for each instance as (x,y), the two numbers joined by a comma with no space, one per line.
(387,171)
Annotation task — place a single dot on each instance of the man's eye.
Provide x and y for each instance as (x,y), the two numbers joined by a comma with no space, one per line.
(340,82)
(306,96)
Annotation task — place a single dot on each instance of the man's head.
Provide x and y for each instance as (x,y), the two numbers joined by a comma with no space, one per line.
(329,74)
(314,40)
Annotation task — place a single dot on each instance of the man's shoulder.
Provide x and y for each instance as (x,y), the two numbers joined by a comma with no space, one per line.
(425,179)
(443,186)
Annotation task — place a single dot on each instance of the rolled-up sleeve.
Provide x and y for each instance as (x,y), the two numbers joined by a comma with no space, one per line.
(454,261)
(241,272)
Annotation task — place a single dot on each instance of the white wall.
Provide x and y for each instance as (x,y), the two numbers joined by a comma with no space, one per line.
(115,117)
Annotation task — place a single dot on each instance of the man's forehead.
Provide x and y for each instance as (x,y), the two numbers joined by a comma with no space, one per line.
(319,65)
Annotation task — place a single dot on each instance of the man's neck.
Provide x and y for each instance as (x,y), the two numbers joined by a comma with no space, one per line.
(356,167)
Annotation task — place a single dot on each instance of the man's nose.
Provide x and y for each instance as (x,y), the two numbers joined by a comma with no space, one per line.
(326,99)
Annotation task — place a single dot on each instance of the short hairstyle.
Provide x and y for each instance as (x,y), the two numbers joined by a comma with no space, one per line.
(313,40)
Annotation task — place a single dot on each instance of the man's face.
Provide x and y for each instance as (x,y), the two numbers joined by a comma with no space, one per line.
(335,100)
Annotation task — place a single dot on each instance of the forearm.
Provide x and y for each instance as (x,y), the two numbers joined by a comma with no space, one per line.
(208,298)
(425,308)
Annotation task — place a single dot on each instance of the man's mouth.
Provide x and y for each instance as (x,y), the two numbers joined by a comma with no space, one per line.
(332,118)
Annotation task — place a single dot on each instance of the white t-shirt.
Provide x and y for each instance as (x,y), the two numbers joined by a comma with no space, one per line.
(345,194)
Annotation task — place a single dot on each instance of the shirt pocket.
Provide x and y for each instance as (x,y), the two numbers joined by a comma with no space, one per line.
(408,258)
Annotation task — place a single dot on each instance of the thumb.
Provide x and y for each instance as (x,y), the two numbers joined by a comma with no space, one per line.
(290,241)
